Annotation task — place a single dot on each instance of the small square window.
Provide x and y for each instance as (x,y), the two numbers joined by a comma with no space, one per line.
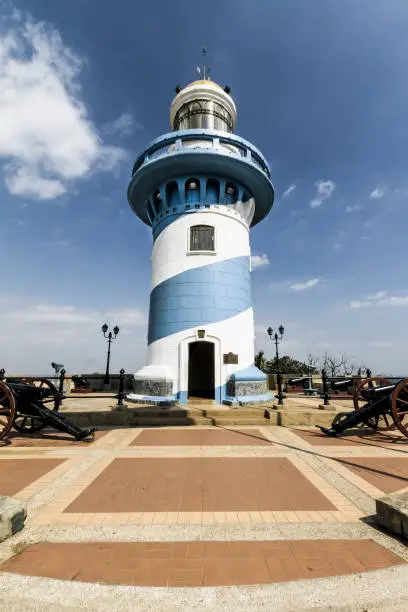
(202,238)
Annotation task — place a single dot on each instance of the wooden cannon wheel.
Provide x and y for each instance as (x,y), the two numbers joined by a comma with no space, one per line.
(30,424)
(399,406)
(383,422)
(7,410)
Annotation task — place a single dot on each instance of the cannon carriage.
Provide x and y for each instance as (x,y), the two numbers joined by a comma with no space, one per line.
(31,404)
(378,404)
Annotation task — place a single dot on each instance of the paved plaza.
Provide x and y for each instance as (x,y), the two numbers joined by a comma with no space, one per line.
(203,518)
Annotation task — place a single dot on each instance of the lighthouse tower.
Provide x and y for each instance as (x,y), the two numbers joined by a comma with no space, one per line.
(201,188)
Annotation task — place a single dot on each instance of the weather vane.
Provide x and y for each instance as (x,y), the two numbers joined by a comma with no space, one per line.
(204,68)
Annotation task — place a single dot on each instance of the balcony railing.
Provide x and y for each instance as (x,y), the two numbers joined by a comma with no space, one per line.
(229,144)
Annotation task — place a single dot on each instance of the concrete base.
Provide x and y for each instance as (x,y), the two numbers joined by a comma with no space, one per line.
(248,399)
(155,400)
(392,513)
(168,415)
(12,517)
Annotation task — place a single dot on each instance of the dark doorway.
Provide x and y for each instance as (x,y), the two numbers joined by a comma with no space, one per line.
(201,370)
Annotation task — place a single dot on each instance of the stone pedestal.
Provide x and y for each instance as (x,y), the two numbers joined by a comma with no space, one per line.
(392,513)
(248,386)
(12,517)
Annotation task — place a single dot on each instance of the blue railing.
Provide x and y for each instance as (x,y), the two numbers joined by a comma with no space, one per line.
(220,143)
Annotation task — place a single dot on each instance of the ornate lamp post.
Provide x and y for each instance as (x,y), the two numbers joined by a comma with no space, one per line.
(110,337)
(277,338)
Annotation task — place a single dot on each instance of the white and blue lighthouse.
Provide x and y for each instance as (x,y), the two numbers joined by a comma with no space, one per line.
(201,188)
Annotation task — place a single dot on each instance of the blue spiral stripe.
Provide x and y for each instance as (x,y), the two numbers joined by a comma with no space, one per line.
(199,296)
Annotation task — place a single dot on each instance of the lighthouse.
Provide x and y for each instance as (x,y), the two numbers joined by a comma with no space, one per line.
(201,188)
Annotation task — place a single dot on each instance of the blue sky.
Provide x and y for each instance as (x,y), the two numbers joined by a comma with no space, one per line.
(320,88)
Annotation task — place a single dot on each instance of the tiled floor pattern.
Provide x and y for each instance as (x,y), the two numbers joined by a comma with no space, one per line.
(386,474)
(48,438)
(198,484)
(16,474)
(200,563)
(201,437)
(316,438)
(206,479)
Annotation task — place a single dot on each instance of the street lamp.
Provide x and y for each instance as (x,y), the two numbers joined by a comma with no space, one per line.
(277,338)
(110,337)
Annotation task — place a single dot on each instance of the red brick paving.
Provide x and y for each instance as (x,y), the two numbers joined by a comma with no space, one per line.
(317,438)
(17,474)
(201,437)
(200,484)
(389,474)
(192,564)
(49,438)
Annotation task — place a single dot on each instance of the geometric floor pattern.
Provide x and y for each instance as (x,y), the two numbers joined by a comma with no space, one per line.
(201,563)
(201,506)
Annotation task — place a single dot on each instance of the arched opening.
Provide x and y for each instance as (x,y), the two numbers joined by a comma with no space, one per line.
(192,191)
(150,212)
(201,361)
(213,191)
(157,200)
(172,194)
(230,193)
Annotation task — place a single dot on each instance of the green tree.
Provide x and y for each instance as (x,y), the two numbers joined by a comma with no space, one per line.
(260,361)
(289,365)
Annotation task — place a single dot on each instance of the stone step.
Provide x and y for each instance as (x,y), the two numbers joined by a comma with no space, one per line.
(392,513)
(235,412)
(178,417)
(242,422)
(12,517)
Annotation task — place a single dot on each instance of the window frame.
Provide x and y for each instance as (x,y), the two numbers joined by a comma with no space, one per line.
(191,251)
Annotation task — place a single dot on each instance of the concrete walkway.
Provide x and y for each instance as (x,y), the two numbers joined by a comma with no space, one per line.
(203,518)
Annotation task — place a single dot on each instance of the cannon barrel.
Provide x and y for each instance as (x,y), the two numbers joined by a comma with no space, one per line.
(341,384)
(372,393)
(297,381)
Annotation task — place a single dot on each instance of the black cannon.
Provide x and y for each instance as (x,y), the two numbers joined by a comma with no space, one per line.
(30,404)
(337,386)
(305,381)
(81,383)
(302,380)
(385,407)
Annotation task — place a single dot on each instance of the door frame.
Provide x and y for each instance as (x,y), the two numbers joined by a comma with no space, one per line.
(184,363)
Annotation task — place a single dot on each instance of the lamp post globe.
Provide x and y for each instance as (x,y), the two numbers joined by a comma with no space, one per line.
(277,338)
(109,337)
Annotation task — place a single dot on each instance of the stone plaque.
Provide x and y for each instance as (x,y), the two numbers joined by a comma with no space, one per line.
(230,358)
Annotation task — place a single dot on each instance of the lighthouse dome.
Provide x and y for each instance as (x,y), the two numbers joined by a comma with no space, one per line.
(203,104)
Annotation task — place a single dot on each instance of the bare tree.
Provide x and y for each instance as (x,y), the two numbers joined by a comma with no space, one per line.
(333,365)
(312,363)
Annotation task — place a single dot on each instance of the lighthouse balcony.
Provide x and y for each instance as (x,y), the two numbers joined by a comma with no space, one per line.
(200,152)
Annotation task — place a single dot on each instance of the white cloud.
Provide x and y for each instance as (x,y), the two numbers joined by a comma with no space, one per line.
(288,191)
(324,190)
(351,209)
(46,313)
(381,298)
(377,194)
(258,261)
(36,333)
(52,313)
(122,126)
(307,285)
(46,136)
(127,316)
